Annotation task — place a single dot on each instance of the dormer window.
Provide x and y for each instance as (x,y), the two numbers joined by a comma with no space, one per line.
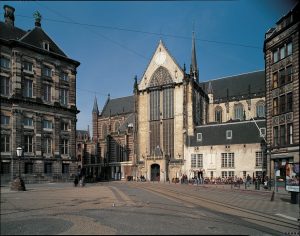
(199,137)
(46,46)
(228,134)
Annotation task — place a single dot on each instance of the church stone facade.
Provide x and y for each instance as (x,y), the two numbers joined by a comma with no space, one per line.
(180,125)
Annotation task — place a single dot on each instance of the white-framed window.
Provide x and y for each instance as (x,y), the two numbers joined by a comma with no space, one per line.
(5,120)
(228,134)
(258,159)
(196,160)
(227,160)
(27,121)
(27,143)
(47,71)
(5,143)
(275,56)
(231,173)
(28,88)
(47,124)
(47,92)
(199,137)
(289,48)
(48,145)
(28,66)
(63,96)
(282,52)
(46,46)
(262,132)
(64,146)
(5,86)
(5,62)
(224,174)
(64,125)
(64,76)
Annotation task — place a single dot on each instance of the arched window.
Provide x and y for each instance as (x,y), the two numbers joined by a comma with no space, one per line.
(218,114)
(117,126)
(104,131)
(260,109)
(238,111)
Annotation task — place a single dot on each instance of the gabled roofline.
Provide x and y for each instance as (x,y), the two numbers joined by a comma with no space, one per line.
(160,42)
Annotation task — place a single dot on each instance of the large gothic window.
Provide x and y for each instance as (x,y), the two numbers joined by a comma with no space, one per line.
(161,112)
(154,120)
(160,77)
(238,111)
(218,114)
(260,109)
(168,121)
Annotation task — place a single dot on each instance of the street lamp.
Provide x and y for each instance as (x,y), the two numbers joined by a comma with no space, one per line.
(18,184)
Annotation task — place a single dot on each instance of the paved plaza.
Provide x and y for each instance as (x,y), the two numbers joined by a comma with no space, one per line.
(116,207)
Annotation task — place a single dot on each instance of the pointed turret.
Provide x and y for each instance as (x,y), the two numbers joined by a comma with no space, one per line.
(194,68)
(210,93)
(95,108)
(210,89)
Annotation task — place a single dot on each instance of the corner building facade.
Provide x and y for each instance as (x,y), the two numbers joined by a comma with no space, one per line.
(38,104)
(281,48)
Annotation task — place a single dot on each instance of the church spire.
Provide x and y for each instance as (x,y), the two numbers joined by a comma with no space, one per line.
(95,108)
(194,68)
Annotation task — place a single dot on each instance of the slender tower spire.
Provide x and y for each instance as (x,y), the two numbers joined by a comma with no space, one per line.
(95,108)
(194,68)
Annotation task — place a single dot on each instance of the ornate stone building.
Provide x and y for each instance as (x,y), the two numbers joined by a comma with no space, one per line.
(281,48)
(38,104)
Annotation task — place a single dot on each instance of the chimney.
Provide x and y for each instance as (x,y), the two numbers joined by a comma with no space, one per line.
(9,15)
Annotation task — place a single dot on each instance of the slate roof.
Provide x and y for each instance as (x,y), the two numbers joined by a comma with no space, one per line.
(243,132)
(8,32)
(37,36)
(238,86)
(118,106)
(32,38)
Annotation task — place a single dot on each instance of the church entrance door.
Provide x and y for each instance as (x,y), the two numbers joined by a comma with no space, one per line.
(155,172)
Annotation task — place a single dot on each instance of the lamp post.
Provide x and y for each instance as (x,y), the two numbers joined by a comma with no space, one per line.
(18,184)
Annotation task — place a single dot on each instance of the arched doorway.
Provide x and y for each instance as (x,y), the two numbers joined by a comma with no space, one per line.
(155,172)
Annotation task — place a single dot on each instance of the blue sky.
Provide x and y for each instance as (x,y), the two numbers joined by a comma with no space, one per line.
(115,40)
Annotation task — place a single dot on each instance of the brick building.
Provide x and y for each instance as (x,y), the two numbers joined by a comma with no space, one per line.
(281,48)
(38,104)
